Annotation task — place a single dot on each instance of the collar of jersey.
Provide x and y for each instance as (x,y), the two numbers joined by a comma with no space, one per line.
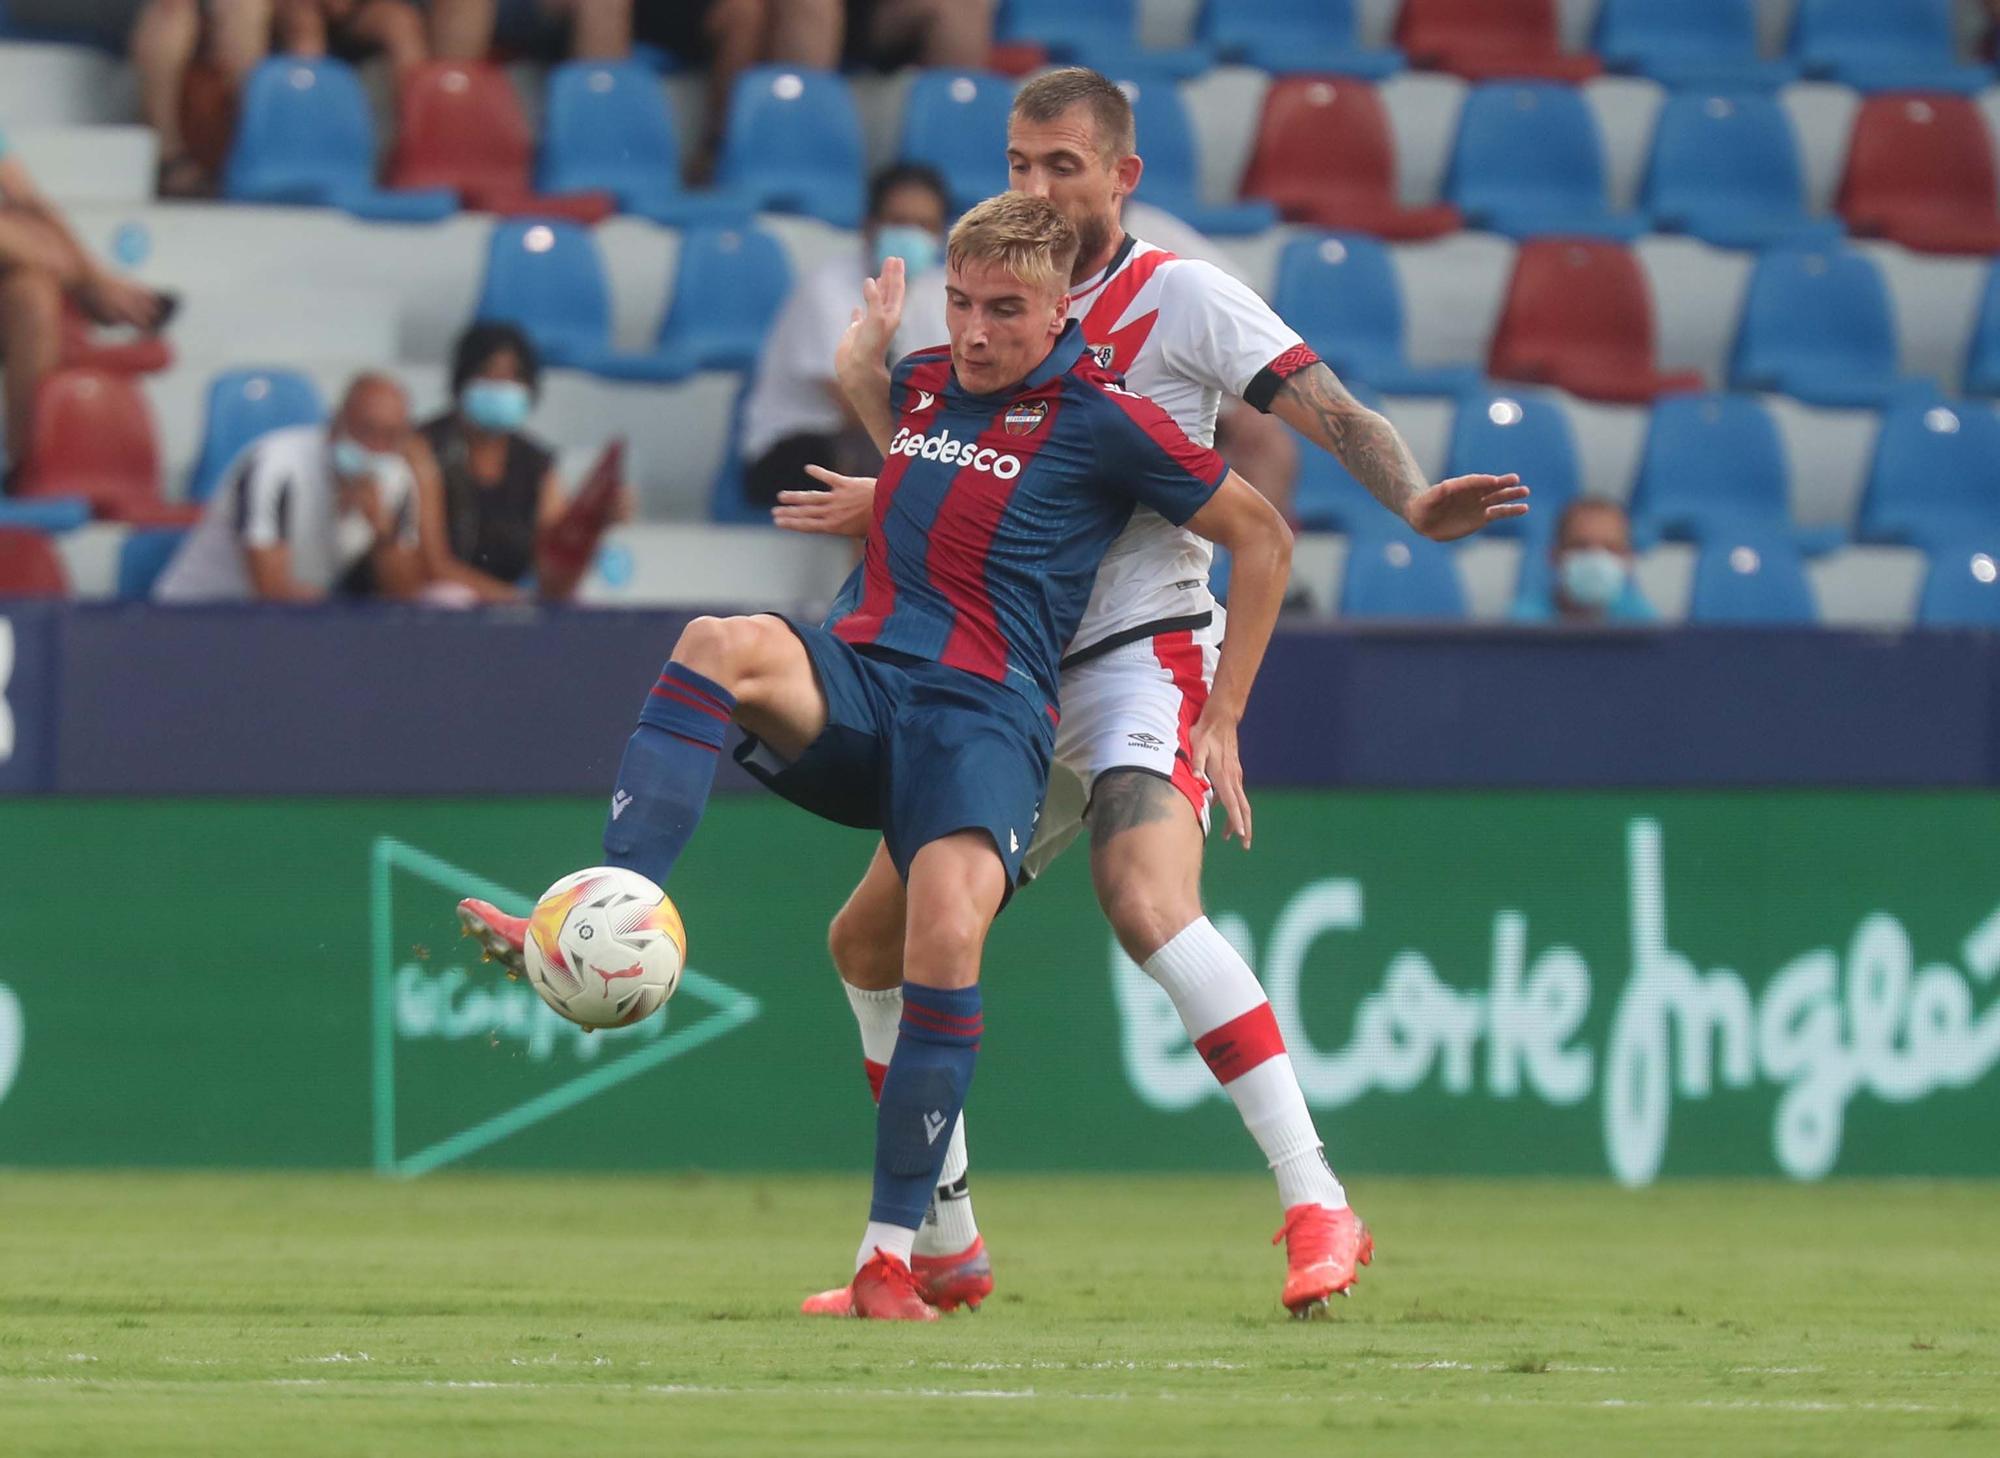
(1068,346)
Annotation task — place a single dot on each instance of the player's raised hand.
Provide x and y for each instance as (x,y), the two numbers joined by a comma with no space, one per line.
(866,343)
(1212,748)
(1461,506)
(846,508)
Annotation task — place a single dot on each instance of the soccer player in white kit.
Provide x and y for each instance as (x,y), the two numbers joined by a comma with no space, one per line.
(1143,746)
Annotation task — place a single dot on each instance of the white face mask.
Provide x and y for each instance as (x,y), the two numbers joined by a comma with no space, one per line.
(1592,577)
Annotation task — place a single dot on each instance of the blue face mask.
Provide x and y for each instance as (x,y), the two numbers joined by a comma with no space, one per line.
(352,461)
(917,247)
(497,405)
(1592,577)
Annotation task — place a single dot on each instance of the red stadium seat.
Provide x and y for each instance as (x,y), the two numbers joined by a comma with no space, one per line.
(460,126)
(94,438)
(143,354)
(1579,316)
(1920,172)
(1325,155)
(1490,40)
(29,566)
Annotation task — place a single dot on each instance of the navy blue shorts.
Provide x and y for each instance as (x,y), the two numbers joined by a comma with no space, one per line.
(915,750)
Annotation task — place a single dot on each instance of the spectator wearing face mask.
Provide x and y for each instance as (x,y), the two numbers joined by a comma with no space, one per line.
(311,512)
(1591,581)
(486,488)
(796,414)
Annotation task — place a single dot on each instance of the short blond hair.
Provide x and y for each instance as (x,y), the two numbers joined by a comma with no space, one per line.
(1026,236)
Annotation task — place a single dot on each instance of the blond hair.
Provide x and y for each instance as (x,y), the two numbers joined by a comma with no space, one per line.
(1053,93)
(1026,236)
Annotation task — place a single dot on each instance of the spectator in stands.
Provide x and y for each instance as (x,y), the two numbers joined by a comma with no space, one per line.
(44,269)
(311,512)
(1592,561)
(486,488)
(234,36)
(595,30)
(887,34)
(723,38)
(796,414)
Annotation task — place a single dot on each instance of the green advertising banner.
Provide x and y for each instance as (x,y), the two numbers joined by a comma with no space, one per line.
(1631,986)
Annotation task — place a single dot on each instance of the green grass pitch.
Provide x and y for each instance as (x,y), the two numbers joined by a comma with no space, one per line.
(467,1314)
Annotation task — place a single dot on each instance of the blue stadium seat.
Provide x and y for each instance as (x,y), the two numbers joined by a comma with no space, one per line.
(1293,37)
(305,136)
(1529,163)
(726,500)
(1715,464)
(794,144)
(548,278)
(1689,44)
(1752,578)
(956,121)
(1962,589)
(1936,476)
(1172,176)
(1326,496)
(242,405)
(1394,573)
(1494,433)
(142,557)
(1883,45)
(1817,325)
(729,284)
(1727,170)
(1099,33)
(607,128)
(1982,365)
(1341,292)
(49,514)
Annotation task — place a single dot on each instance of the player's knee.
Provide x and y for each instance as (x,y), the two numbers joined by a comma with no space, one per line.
(944,946)
(1144,916)
(727,650)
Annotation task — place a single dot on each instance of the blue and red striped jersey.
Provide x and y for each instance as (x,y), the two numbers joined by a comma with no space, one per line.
(992,512)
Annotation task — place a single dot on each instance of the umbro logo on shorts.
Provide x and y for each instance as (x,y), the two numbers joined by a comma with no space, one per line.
(1143,740)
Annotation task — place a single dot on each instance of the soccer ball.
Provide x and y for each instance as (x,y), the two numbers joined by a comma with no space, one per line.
(605,947)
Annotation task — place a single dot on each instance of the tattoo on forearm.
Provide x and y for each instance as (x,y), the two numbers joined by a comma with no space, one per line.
(1127,799)
(1364,442)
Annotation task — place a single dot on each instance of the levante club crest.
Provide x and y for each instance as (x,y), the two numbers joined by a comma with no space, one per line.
(1027,419)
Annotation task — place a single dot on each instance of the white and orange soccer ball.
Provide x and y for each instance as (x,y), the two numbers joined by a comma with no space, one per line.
(605,947)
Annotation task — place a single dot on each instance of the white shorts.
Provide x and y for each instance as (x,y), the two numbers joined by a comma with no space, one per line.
(1130,708)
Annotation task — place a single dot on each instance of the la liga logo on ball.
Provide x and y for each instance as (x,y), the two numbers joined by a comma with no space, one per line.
(1026,419)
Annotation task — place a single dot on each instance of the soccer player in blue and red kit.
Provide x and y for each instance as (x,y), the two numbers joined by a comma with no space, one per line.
(929,710)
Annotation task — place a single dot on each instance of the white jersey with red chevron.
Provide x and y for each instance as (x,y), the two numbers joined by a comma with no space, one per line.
(1183,333)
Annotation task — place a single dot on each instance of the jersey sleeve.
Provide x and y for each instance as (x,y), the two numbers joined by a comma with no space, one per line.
(266,501)
(1215,329)
(1149,458)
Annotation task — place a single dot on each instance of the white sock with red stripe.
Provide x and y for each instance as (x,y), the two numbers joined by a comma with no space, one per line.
(1225,1012)
(948,1226)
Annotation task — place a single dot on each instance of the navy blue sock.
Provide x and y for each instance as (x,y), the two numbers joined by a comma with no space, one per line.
(921,1098)
(667,772)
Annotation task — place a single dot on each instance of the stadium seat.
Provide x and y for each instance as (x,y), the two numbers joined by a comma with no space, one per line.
(142,557)
(1489,40)
(1982,364)
(1326,495)
(1751,578)
(94,438)
(305,137)
(549,279)
(1689,44)
(243,405)
(1817,326)
(956,122)
(460,126)
(1351,187)
(1171,180)
(727,503)
(1920,173)
(1393,573)
(1341,292)
(1961,589)
(45,514)
(1728,170)
(1883,45)
(1099,33)
(1715,464)
(729,284)
(794,144)
(1935,480)
(30,565)
(1579,315)
(1289,37)
(1493,433)
(1529,163)
(84,348)
(607,128)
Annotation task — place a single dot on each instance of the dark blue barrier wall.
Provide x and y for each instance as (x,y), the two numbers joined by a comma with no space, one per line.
(115,700)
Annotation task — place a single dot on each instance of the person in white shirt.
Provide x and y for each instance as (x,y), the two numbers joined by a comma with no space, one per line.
(310,512)
(796,414)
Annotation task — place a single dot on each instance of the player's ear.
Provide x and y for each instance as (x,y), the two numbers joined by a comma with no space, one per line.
(1061,315)
(1128,170)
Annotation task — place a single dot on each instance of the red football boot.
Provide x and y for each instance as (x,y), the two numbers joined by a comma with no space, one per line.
(886,1290)
(1323,1252)
(947,1282)
(500,935)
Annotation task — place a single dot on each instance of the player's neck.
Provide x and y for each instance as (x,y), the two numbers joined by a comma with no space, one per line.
(1089,268)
